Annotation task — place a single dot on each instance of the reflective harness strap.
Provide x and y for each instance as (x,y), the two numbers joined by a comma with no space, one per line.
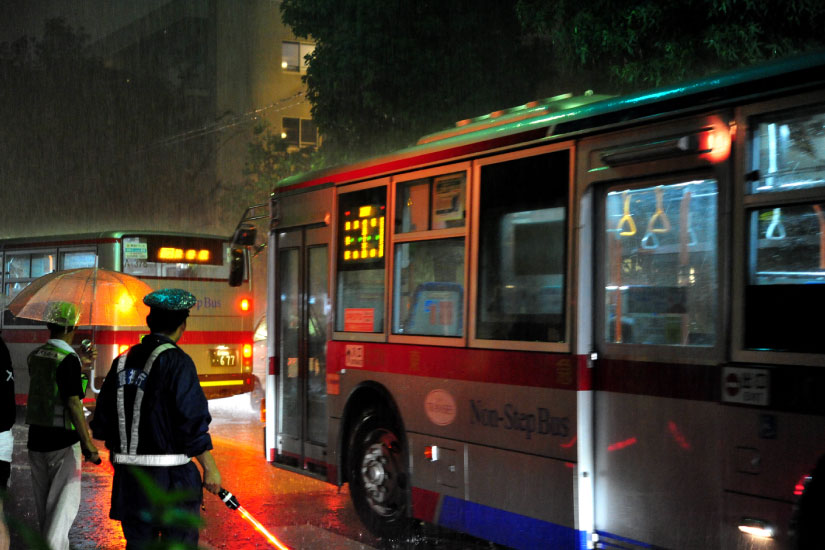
(121,412)
(147,368)
(150,460)
(121,417)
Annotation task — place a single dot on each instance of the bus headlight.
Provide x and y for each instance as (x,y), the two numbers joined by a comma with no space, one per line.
(756,528)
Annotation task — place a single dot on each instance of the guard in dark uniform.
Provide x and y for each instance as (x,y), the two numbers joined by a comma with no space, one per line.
(153,416)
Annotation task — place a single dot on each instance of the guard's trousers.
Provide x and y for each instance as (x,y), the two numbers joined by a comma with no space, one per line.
(56,485)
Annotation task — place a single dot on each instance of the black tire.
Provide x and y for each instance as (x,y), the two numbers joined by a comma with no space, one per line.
(378,476)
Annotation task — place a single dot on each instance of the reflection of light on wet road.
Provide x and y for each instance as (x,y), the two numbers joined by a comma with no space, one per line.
(93,528)
(273,540)
(303,512)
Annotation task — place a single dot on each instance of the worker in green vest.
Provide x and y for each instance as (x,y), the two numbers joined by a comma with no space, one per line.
(57,425)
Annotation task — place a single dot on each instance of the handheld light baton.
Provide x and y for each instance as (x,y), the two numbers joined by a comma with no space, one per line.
(232,503)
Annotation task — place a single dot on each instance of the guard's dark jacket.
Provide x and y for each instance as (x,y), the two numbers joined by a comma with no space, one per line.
(174,419)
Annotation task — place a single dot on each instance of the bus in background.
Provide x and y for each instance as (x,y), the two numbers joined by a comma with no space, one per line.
(579,323)
(218,336)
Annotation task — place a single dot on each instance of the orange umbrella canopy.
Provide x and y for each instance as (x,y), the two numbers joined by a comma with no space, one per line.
(102,297)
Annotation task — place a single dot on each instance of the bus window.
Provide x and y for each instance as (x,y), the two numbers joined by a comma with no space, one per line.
(75,260)
(430,203)
(429,287)
(785,288)
(428,272)
(522,249)
(175,257)
(20,270)
(360,288)
(661,264)
(787,152)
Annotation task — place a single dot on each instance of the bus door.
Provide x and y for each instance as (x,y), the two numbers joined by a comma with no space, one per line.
(658,335)
(302,313)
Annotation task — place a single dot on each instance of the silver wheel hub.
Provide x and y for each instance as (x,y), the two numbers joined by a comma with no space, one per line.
(379,477)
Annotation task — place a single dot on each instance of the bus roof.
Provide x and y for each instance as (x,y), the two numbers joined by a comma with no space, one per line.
(564,116)
(92,238)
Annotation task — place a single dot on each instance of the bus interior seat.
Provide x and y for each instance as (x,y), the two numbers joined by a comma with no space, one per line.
(437,310)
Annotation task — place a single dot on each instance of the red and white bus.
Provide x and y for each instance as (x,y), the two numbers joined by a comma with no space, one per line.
(580,323)
(219,329)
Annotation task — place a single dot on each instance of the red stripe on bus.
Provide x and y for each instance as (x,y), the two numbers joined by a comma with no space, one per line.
(425,504)
(518,368)
(110,337)
(693,382)
(394,165)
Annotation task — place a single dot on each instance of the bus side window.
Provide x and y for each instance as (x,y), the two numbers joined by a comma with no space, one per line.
(20,269)
(522,249)
(661,264)
(428,270)
(433,273)
(75,260)
(785,290)
(360,289)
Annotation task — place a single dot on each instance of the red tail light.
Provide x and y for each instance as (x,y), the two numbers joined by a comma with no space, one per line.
(246,351)
(244,305)
(799,488)
(122,348)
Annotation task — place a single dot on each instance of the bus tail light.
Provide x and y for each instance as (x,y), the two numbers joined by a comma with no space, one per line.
(431,453)
(799,488)
(247,355)
(756,528)
(122,348)
(245,305)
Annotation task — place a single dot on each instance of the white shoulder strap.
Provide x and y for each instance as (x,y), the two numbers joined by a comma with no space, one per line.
(147,368)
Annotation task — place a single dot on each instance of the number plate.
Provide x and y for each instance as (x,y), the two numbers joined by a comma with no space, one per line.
(223,357)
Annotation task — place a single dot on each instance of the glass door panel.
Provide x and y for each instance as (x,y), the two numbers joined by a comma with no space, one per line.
(290,316)
(303,318)
(317,308)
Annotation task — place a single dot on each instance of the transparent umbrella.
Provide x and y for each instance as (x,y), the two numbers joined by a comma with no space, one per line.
(102,297)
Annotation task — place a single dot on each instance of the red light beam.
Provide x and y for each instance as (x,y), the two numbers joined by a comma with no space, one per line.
(273,540)
(232,503)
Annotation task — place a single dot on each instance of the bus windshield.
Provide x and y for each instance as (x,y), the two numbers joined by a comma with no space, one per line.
(175,257)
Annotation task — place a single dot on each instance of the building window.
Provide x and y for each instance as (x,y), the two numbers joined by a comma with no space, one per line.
(294,56)
(300,132)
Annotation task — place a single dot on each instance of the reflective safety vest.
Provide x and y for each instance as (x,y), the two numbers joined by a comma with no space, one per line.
(45,408)
(129,442)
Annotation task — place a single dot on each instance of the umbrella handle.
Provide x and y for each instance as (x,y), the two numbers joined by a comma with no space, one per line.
(95,390)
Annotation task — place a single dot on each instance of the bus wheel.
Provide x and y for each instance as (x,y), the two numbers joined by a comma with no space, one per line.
(377,476)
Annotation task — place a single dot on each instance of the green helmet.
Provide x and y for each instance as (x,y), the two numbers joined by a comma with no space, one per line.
(64,314)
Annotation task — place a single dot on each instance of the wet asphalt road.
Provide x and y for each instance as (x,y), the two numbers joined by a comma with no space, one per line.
(303,512)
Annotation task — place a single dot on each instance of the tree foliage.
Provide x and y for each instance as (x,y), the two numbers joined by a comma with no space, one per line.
(386,72)
(383,73)
(269,159)
(633,44)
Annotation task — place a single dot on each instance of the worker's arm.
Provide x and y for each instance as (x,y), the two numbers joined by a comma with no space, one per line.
(75,407)
(211,475)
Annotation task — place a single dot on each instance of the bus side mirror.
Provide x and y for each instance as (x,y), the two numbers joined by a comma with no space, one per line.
(236,266)
(245,235)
